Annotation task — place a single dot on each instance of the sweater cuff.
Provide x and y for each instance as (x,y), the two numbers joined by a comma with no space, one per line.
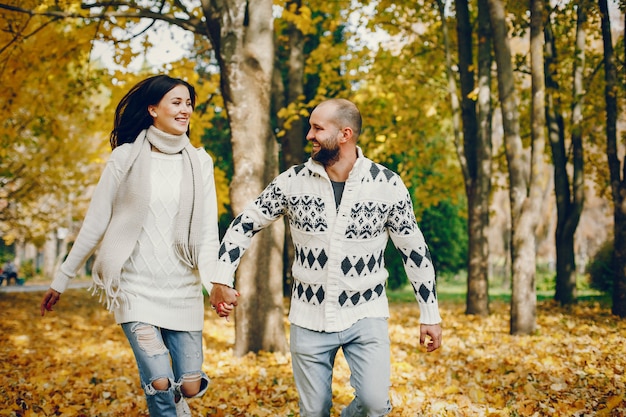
(60,282)
(205,279)
(429,314)
(224,274)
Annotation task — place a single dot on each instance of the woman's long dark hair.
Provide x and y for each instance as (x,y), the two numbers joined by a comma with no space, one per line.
(131,114)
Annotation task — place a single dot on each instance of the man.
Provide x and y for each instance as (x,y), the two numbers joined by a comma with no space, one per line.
(342,208)
(10,272)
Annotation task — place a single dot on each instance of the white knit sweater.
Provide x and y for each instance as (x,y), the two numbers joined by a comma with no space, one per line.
(339,269)
(162,290)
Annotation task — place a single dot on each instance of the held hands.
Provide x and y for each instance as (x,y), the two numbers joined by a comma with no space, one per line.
(50,298)
(223,299)
(433,331)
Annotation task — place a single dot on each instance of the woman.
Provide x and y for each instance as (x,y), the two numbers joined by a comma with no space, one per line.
(154,217)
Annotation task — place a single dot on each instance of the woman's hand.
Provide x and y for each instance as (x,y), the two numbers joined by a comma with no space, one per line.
(50,298)
(223,299)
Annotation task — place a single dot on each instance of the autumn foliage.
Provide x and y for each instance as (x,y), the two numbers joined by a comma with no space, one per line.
(76,362)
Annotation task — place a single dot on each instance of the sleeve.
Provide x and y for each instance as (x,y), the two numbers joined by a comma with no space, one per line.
(94,225)
(210,240)
(409,241)
(267,208)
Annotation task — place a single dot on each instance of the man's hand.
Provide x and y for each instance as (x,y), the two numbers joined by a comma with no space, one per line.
(50,298)
(434,332)
(223,299)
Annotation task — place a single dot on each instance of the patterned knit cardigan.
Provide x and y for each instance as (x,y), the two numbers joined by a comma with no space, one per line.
(339,269)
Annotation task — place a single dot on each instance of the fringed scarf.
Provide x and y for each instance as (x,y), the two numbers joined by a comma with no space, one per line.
(130,208)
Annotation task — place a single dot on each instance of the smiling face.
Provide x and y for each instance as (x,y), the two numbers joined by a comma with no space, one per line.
(324,135)
(171,115)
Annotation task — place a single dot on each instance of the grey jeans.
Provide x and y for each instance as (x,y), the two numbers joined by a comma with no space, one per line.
(366,349)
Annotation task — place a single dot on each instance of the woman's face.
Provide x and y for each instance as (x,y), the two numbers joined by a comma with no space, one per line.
(171,115)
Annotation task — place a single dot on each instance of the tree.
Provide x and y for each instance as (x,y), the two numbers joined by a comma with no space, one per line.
(405,101)
(475,152)
(481,191)
(46,160)
(617,178)
(241,37)
(570,194)
(310,65)
(288,91)
(525,171)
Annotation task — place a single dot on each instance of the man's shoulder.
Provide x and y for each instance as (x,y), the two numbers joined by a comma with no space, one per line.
(300,170)
(377,172)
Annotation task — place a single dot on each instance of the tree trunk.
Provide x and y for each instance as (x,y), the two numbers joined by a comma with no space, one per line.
(242,37)
(525,177)
(454,98)
(618,186)
(484,149)
(525,302)
(292,144)
(569,203)
(476,155)
(290,90)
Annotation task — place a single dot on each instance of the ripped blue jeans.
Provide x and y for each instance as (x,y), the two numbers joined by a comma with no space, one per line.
(170,354)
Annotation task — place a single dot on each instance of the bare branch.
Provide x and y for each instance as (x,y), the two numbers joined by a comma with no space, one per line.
(192,24)
(20,36)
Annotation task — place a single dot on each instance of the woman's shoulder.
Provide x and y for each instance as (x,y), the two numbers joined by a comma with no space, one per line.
(206,161)
(202,153)
(204,156)
(121,152)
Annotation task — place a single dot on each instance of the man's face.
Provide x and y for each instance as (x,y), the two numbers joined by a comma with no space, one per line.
(324,136)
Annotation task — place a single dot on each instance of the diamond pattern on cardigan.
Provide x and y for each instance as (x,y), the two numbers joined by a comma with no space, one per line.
(297,169)
(425,292)
(315,294)
(367,220)
(271,201)
(380,173)
(308,293)
(414,259)
(306,213)
(354,298)
(362,266)
(229,252)
(311,258)
(245,226)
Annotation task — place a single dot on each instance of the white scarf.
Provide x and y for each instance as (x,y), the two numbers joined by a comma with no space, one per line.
(130,208)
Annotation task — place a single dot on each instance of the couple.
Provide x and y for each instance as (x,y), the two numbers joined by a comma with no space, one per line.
(154,216)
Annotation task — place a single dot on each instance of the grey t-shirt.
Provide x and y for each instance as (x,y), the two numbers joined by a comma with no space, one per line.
(338,189)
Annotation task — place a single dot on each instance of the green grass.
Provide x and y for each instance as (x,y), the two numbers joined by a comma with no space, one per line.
(455,290)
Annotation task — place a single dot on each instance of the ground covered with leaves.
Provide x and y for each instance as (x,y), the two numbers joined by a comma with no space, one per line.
(76,362)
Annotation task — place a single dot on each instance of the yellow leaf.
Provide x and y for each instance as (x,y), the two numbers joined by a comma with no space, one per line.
(614,401)
(452,389)
(529,389)
(477,395)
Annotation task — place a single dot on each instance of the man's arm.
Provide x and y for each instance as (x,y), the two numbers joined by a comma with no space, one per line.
(410,242)
(267,208)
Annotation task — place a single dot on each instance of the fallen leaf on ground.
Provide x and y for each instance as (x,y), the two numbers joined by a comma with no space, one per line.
(77,362)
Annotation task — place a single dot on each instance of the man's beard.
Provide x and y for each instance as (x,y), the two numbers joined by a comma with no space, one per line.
(326,156)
